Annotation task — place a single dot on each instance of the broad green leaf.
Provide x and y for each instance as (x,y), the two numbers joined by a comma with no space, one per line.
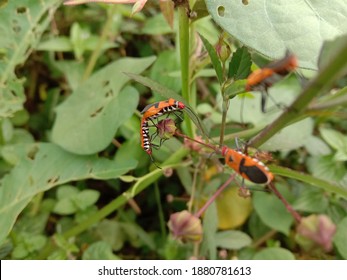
(111,232)
(336,140)
(86,198)
(232,239)
(311,200)
(43,166)
(99,250)
(57,44)
(272,212)
(326,168)
(340,238)
(166,63)
(272,27)
(66,191)
(214,59)
(329,48)
(65,206)
(156,25)
(316,146)
(288,138)
(274,254)
(88,119)
(21,26)
(240,64)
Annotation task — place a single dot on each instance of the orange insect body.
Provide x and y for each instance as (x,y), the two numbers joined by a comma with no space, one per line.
(248,167)
(153,111)
(267,76)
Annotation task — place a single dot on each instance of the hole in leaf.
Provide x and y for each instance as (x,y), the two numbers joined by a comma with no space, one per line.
(105,83)
(32,153)
(13,93)
(109,93)
(221,11)
(21,10)
(53,180)
(90,171)
(97,112)
(16,28)
(245,2)
(3,3)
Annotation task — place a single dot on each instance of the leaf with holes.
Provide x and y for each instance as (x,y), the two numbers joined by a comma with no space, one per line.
(88,119)
(41,167)
(21,26)
(272,27)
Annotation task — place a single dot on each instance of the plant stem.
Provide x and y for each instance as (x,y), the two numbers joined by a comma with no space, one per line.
(214,196)
(322,83)
(290,209)
(160,210)
(323,184)
(96,53)
(224,117)
(183,23)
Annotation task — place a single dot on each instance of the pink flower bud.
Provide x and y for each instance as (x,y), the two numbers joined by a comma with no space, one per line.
(185,226)
(166,128)
(316,230)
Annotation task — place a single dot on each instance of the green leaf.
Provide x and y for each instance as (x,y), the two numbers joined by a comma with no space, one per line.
(232,239)
(326,168)
(65,206)
(43,166)
(329,48)
(86,198)
(112,233)
(274,254)
(214,59)
(240,64)
(57,44)
(272,27)
(272,212)
(66,191)
(340,238)
(21,26)
(311,200)
(99,250)
(336,140)
(288,139)
(165,64)
(102,108)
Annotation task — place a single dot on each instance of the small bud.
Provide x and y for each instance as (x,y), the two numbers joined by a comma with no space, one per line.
(167,172)
(223,49)
(223,254)
(185,226)
(166,128)
(316,230)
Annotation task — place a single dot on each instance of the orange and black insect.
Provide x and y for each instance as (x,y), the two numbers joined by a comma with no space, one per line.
(153,111)
(249,168)
(263,78)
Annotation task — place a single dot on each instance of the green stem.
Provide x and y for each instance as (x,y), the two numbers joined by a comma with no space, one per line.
(323,184)
(322,83)
(183,26)
(96,53)
(224,118)
(160,210)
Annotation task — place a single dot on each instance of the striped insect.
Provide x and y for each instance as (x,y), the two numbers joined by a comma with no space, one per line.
(151,113)
(155,110)
(249,168)
(263,78)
